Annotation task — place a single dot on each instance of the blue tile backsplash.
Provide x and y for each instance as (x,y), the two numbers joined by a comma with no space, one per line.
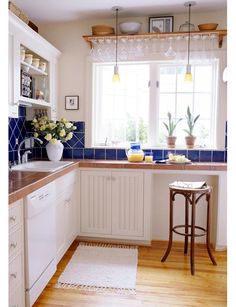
(19,128)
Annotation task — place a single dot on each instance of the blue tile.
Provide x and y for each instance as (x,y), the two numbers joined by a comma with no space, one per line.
(88,153)
(100,153)
(121,155)
(167,152)
(158,154)
(22,111)
(78,153)
(226,156)
(44,153)
(110,154)
(80,126)
(193,155)
(205,156)
(67,153)
(181,152)
(218,156)
(10,156)
(80,138)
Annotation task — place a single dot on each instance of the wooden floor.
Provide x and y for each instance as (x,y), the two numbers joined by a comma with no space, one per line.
(158,284)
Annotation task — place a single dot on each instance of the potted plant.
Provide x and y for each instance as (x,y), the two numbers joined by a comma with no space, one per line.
(170,127)
(191,121)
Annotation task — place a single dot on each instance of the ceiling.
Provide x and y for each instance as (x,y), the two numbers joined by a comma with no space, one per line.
(66,10)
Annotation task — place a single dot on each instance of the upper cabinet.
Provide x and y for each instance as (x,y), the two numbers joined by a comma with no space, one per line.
(32,70)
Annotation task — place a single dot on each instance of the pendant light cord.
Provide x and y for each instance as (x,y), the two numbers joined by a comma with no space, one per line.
(189,7)
(116,33)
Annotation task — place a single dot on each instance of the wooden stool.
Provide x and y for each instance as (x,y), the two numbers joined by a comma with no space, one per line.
(192,196)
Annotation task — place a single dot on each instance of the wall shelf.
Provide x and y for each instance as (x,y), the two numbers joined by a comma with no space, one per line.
(220,33)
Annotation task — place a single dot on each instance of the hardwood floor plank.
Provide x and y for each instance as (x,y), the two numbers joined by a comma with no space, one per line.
(158,284)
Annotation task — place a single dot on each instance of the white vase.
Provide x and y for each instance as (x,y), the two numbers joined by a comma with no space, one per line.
(54,151)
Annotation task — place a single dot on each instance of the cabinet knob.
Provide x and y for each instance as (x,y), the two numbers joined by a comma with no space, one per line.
(13,245)
(12,218)
(13,275)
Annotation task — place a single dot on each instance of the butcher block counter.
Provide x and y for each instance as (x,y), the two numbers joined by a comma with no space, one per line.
(23,183)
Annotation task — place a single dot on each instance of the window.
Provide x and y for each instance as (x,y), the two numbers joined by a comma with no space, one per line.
(135,109)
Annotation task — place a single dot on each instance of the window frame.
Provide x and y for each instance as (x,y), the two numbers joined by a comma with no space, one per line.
(153,108)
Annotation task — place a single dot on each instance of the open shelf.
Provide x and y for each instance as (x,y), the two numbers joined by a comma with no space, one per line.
(34,71)
(30,101)
(220,33)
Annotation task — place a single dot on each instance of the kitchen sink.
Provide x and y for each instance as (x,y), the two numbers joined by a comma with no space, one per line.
(41,166)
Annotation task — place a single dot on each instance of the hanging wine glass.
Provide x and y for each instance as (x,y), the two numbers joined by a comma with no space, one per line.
(170,51)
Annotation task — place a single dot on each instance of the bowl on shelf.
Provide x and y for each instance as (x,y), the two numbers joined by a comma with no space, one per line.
(130,27)
(102,30)
(207,26)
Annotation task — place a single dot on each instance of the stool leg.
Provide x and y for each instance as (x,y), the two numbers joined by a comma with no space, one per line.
(192,235)
(186,226)
(208,198)
(170,229)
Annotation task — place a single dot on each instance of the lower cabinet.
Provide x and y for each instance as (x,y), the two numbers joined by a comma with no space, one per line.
(66,212)
(112,204)
(16,255)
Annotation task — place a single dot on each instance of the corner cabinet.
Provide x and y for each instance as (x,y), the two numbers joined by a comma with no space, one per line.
(30,83)
(113,205)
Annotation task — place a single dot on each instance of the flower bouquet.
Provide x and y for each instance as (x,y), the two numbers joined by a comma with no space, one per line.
(55,133)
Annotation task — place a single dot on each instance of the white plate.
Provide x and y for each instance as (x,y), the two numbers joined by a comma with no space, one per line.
(176,162)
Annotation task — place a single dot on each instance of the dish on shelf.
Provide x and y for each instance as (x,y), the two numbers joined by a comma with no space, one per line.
(102,30)
(131,27)
(207,26)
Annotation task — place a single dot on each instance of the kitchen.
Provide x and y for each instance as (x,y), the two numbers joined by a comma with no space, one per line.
(68,59)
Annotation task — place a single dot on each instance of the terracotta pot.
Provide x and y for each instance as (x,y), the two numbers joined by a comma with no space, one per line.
(190,140)
(171,141)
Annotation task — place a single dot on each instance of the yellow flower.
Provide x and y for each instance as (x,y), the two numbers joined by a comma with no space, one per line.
(53,141)
(36,134)
(64,120)
(42,128)
(52,125)
(68,125)
(34,120)
(69,136)
(62,132)
(48,137)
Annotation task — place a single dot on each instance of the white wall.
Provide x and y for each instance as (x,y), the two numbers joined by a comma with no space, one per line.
(67,37)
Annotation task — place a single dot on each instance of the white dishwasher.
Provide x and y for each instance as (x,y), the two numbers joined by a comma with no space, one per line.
(40,241)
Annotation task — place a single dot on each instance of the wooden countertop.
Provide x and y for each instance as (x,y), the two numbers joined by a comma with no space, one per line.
(23,183)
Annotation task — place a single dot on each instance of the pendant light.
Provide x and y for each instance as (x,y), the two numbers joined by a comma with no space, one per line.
(116,77)
(188,74)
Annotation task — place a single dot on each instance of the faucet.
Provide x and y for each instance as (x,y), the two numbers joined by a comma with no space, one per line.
(20,145)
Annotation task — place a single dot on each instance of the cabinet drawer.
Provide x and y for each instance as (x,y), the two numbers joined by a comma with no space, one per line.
(16,298)
(15,214)
(15,272)
(15,241)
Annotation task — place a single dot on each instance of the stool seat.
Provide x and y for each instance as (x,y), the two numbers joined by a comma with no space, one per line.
(192,197)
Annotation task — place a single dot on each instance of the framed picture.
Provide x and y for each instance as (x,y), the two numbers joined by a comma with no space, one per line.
(72,102)
(161,24)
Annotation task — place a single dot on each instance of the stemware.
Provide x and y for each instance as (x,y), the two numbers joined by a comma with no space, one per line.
(170,51)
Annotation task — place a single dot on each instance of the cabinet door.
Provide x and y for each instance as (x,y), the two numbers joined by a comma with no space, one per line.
(60,227)
(127,203)
(95,212)
(70,215)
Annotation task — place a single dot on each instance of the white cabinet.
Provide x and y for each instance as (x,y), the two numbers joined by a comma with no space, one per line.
(112,204)
(66,212)
(16,255)
(29,84)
